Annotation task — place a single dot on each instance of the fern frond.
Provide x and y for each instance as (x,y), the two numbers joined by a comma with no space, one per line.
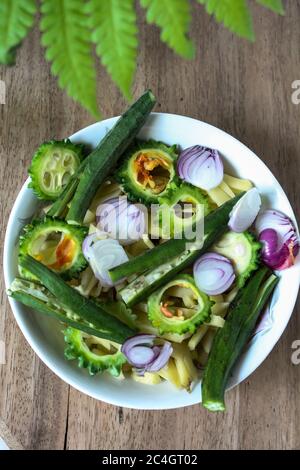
(66,37)
(173,18)
(234,14)
(16,19)
(114,31)
(274,5)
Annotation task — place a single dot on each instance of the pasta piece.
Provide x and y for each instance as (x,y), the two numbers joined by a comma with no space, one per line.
(217,298)
(202,357)
(232,294)
(140,246)
(96,290)
(141,307)
(144,325)
(216,321)
(208,340)
(106,191)
(88,284)
(170,373)
(89,217)
(186,369)
(197,337)
(237,184)
(175,338)
(92,229)
(184,377)
(218,196)
(224,186)
(46,208)
(149,378)
(147,241)
(220,309)
(109,346)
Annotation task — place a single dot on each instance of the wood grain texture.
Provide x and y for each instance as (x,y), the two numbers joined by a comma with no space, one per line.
(242,88)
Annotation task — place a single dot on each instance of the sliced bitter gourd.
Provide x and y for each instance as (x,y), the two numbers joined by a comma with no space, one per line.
(185,205)
(243,250)
(56,244)
(95,354)
(52,166)
(179,307)
(148,171)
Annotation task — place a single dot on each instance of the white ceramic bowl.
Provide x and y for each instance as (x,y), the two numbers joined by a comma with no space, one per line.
(44,335)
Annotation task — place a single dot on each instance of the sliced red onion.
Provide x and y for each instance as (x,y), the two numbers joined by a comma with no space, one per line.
(272,257)
(278,235)
(122,220)
(201,166)
(87,244)
(141,355)
(245,211)
(213,273)
(284,227)
(144,356)
(161,360)
(102,256)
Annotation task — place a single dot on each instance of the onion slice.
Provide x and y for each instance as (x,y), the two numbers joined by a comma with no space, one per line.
(122,220)
(213,273)
(279,238)
(245,211)
(201,167)
(144,356)
(87,244)
(162,358)
(103,255)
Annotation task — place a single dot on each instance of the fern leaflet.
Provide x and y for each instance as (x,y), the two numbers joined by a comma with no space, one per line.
(16,18)
(66,37)
(173,17)
(114,31)
(234,14)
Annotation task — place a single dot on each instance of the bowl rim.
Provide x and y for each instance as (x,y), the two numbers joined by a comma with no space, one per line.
(29,336)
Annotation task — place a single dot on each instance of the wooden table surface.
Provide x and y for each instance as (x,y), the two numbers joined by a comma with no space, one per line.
(242,88)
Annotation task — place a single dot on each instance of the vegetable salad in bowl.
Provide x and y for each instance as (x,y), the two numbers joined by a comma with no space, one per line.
(156,261)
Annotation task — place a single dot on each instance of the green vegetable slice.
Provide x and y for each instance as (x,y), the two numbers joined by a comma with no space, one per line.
(56,244)
(230,340)
(93,353)
(120,310)
(103,159)
(215,224)
(80,308)
(142,286)
(186,206)
(148,171)
(41,300)
(60,206)
(178,307)
(52,166)
(243,250)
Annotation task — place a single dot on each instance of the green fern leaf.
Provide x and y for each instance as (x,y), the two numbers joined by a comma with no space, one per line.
(274,5)
(234,14)
(114,31)
(173,17)
(16,19)
(66,37)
